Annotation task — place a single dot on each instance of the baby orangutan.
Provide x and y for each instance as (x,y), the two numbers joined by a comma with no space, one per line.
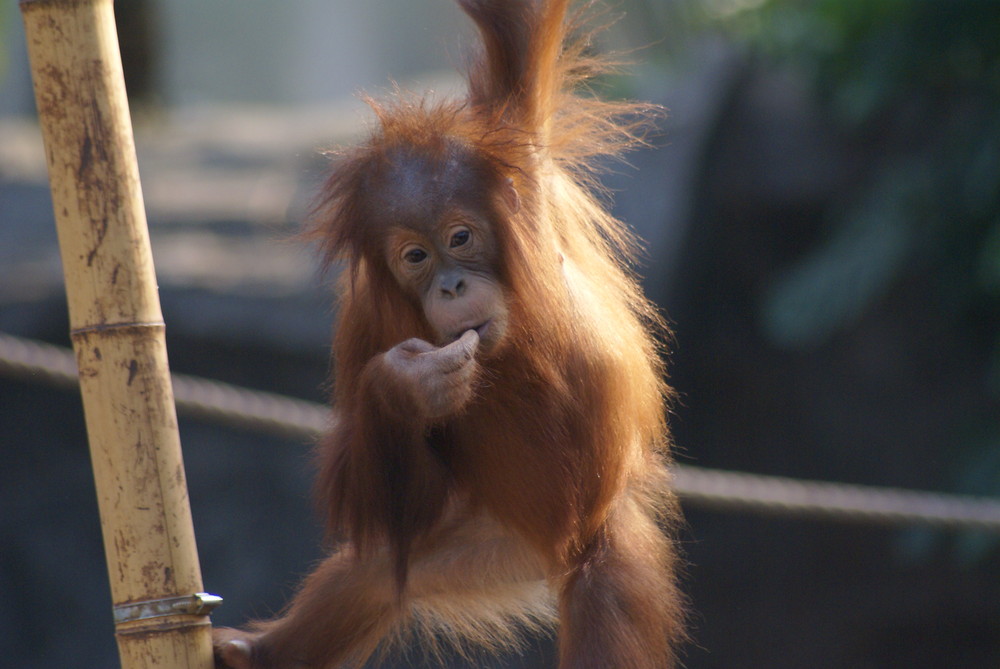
(497,460)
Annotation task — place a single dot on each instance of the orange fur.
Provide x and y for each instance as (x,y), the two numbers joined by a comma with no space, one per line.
(549,491)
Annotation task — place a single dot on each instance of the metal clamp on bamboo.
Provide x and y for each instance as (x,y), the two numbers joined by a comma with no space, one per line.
(117,329)
(198,604)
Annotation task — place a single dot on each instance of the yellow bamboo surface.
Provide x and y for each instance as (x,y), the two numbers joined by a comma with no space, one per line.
(117,328)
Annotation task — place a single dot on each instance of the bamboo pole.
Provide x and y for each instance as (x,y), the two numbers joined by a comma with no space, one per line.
(118,335)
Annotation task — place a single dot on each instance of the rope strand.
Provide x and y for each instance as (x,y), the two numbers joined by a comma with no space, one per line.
(715,489)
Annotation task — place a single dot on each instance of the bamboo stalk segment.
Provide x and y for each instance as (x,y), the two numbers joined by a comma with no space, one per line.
(117,330)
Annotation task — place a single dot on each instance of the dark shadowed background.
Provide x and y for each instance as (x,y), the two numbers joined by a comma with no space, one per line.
(822,216)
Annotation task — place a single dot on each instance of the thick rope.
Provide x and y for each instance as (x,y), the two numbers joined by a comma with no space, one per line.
(713,488)
(210,400)
(297,419)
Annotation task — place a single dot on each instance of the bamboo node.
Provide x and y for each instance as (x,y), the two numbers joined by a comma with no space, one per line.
(198,604)
(107,327)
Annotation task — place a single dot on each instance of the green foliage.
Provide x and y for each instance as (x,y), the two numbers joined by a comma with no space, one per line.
(918,83)
(854,267)
(919,80)
(866,54)
(874,61)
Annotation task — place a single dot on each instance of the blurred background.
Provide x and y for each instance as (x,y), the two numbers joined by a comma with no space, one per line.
(822,217)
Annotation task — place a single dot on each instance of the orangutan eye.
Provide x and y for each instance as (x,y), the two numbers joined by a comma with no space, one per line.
(460,238)
(415,256)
